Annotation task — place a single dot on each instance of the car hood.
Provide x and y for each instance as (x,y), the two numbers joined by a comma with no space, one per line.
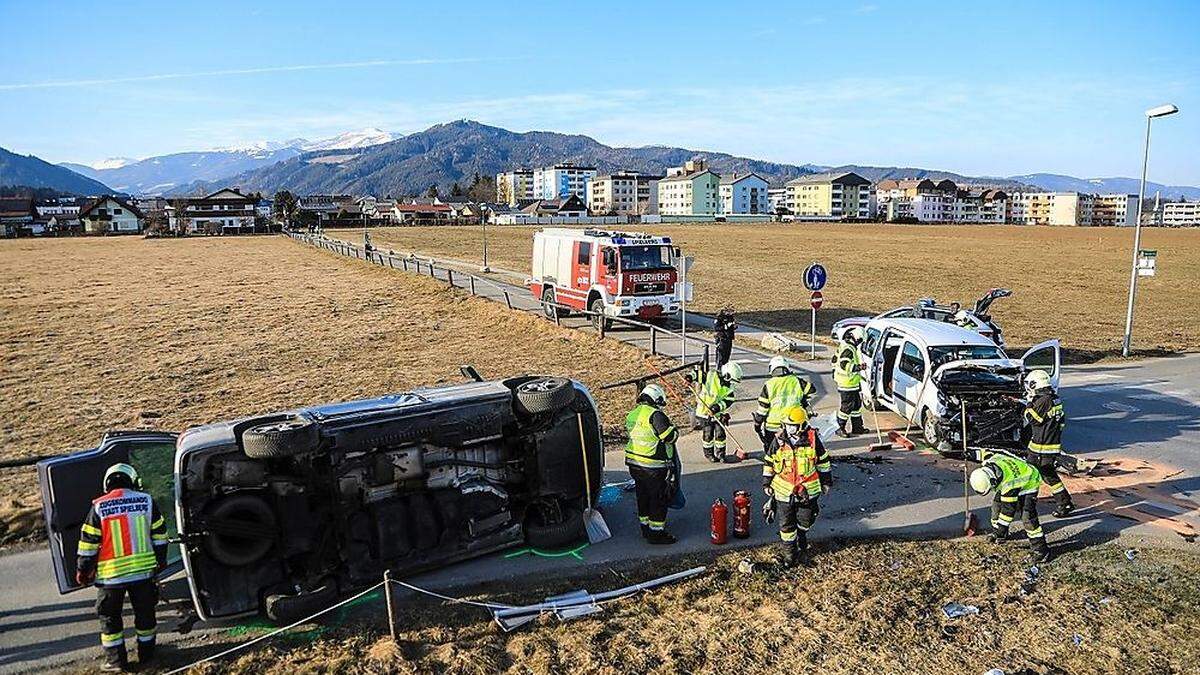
(979,376)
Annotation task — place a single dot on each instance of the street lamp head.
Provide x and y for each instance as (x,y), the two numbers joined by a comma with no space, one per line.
(1162,111)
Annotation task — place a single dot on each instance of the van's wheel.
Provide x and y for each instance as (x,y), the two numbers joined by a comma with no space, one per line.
(288,608)
(545,394)
(284,438)
(548,307)
(929,429)
(240,530)
(597,309)
(567,530)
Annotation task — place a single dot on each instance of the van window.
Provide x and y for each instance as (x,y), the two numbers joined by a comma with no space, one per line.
(870,341)
(943,355)
(585,253)
(911,362)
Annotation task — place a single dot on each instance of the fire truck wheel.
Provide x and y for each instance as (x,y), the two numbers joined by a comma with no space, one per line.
(597,309)
(548,305)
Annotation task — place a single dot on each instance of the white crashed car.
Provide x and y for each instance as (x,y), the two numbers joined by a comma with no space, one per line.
(926,308)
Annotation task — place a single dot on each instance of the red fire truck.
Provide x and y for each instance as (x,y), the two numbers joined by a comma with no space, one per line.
(626,274)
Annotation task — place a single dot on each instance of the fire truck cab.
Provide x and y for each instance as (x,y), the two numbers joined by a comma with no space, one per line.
(625,274)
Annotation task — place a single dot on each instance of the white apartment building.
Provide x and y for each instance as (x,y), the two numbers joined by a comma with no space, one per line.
(1181,214)
(1115,210)
(1050,208)
(744,194)
(225,211)
(689,190)
(777,199)
(514,186)
(627,193)
(988,207)
(561,181)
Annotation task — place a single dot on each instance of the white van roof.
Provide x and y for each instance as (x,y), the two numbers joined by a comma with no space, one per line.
(933,333)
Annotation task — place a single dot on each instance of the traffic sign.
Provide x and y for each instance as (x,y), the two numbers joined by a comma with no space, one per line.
(815,277)
(816,299)
(1147,262)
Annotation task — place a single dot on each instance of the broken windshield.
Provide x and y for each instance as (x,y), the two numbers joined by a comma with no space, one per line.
(939,356)
(645,258)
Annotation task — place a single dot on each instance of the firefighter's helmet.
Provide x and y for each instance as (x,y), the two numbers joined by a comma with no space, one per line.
(795,419)
(732,372)
(982,480)
(654,395)
(855,335)
(778,363)
(123,470)
(1037,380)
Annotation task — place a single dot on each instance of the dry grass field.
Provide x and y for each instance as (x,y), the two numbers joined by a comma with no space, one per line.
(123,333)
(871,607)
(1069,283)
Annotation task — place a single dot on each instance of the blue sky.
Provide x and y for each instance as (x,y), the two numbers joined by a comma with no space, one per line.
(995,88)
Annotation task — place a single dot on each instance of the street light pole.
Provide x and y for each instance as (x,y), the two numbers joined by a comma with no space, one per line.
(1160,111)
(483,221)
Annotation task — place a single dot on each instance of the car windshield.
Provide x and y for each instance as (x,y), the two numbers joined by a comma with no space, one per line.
(645,257)
(939,356)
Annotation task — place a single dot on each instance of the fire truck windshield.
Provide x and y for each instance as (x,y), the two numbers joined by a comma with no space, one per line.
(645,257)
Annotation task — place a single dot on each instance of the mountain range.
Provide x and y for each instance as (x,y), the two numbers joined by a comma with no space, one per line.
(30,171)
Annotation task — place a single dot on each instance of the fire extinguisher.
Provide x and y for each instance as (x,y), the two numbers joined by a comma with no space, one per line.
(720,516)
(741,514)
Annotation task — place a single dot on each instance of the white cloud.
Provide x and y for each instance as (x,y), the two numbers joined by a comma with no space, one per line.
(866,9)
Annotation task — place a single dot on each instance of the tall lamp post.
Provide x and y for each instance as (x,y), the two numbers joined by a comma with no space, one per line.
(1160,111)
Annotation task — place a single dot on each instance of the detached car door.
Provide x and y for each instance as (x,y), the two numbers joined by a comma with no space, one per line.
(1047,357)
(69,484)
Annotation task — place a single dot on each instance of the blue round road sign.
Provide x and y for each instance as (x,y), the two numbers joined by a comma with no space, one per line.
(815,277)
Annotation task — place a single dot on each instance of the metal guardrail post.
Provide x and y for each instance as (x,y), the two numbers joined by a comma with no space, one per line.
(472,284)
(387,594)
(507,300)
(404,263)
(600,326)
(557,318)
(705,357)
(431,275)
(653,341)
(450,276)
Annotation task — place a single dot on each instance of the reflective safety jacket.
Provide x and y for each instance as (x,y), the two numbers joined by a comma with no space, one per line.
(714,397)
(124,538)
(846,373)
(1046,420)
(1017,477)
(651,438)
(796,471)
(778,395)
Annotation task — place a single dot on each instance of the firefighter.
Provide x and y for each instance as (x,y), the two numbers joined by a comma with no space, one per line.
(724,328)
(962,319)
(1046,419)
(714,398)
(796,473)
(847,374)
(122,546)
(650,454)
(1016,484)
(783,391)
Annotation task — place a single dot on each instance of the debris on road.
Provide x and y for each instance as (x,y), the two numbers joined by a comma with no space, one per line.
(1131,554)
(954,610)
(778,342)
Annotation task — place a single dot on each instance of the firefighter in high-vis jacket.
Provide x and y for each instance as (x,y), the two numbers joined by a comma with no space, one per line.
(714,397)
(796,472)
(650,455)
(122,545)
(847,375)
(783,391)
(1045,417)
(1016,484)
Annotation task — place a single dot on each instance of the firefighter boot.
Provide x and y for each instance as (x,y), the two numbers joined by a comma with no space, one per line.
(801,551)
(645,531)
(998,535)
(787,555)
(661,538)
(841,428)
(708,453)
(115,660)
(856,426)
(1065,506)
(1041,550)
(145,651)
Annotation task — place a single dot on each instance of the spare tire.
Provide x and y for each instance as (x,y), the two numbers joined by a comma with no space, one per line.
(555,535)
(545,394)
(283,438)
(241,529)
(290,608)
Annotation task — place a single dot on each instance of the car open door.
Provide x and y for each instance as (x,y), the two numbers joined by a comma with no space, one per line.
(69,484)
(1047,357)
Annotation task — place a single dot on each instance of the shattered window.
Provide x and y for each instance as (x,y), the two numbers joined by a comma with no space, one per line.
(942,355)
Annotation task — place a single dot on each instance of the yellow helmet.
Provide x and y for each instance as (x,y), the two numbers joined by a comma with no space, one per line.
(795,416)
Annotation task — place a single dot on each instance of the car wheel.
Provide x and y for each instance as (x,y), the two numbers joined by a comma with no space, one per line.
(555,535)
(929,429)
(241,530)
(545,394)
(288,608)
(284,438)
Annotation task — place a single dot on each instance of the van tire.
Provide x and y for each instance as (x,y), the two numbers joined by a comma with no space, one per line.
(929,429)
(284,438)
(285,608)
(556,535)
(544,395)
(245,510)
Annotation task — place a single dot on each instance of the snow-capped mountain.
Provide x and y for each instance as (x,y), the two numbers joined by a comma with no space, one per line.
(112,163)
(352,140)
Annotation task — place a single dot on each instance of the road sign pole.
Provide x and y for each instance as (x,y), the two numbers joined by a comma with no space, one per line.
(683,310)
(814,333)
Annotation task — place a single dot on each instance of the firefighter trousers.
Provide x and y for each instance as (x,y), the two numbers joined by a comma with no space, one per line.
(851,410)
(714,439)
(724,349)
(1004,510)
(796,516)
(1045,463)
(653,492)
(110,600)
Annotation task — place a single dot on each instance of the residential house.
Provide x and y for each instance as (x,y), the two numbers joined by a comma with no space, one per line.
(561,181)
(979,205)
(1181,214)
(16,217)
(1050,208)
(777,200)
(831,195)
(626,193)
(689,190)
(743,194)
(419,213)
(1115,210)
(64,224)
(110,215)
(514,186)
(570,207)
(63,206)
(226,211)
(325,207)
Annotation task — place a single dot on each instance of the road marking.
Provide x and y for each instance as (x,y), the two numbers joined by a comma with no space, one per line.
(1120,407)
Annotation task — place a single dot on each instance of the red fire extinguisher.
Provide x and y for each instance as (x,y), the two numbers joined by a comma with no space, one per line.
(720,517)
(741,514)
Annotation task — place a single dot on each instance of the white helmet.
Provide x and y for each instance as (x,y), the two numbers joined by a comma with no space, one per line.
(655,394)
(981,480)
(854,335)
(962,317)
(732,372)
(1037,379)
(778,362)
(121,470)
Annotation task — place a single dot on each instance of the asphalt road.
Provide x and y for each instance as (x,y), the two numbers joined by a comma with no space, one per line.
(1141,418)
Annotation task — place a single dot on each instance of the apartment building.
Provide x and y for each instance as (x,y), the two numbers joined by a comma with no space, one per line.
(226,211)
(561,181)
(627,193)
(1181,214)
(832,195)
(1051,208)
(777,199)
(689,190)
(513,187)
(988,207)
(1115,210)
(743,194)
(916,199)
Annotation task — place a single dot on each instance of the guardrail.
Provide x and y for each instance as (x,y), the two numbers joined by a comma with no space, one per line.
(472,282)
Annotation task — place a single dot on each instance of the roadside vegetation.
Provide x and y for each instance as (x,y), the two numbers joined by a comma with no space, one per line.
(864,607)
(1067,282)
(119,333)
